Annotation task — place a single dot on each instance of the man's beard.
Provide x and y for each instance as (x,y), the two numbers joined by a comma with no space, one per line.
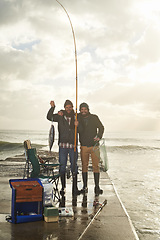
(71,114)
(85,115)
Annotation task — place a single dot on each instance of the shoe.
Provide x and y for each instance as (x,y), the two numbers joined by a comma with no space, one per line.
(85,181)
(62,191)
(76,192)
(97,190)
(84,190)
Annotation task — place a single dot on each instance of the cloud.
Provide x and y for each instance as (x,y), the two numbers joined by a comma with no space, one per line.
(147,48)
(118,61)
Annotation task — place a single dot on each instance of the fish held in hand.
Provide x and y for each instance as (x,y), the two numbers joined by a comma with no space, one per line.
(51,136)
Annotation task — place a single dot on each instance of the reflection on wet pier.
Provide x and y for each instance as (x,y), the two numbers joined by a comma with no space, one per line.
(111,223)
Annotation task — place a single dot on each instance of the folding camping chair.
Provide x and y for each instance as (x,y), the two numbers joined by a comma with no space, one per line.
(36,167)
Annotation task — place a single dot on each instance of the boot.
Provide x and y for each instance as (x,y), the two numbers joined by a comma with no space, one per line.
(62,201)
(97,189)
(75,190)
(84,202)
(63,182)
(85,180)
(74,200)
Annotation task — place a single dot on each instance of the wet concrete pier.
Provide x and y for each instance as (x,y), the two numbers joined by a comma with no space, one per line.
(112,223)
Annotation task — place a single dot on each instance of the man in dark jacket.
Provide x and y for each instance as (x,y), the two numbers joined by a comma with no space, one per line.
(90,131)
(66,130)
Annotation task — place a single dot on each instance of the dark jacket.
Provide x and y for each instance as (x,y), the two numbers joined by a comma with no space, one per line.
(66,131)
(88,129)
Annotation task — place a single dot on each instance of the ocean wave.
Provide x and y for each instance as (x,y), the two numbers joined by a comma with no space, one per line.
(149,231)
(8,146)
(131,148)
(111,139)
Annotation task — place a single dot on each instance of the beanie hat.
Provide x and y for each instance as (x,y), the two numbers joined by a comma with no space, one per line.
(83,105)
(68,102)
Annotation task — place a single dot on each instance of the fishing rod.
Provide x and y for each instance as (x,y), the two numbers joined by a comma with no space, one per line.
(100,209)
(75,141)
(75,137)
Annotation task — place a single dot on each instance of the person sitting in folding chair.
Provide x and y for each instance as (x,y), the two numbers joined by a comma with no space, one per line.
(66,129)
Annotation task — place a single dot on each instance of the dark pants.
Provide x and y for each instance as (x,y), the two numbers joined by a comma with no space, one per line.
(63,157)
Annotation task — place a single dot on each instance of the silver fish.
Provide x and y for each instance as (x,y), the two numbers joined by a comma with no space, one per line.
(51,137)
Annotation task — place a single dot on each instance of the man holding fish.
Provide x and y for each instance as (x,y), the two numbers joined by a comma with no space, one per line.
(66,130)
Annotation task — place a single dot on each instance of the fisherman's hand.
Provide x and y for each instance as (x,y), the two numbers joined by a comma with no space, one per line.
(60,113)
(52,103)
(76,123)
(96,139)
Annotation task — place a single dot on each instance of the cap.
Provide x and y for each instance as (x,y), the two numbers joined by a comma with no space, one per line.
(83,105)
(68,102)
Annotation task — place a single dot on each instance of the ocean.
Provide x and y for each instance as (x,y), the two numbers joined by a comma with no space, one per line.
(134,168)
(11,141)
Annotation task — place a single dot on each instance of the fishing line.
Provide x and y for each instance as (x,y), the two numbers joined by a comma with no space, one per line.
(75,143)
(75,137)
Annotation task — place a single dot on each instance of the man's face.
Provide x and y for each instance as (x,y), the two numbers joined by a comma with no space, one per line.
(68,108)
(84,111)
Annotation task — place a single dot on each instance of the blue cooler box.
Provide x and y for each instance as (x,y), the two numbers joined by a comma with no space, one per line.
(27,200)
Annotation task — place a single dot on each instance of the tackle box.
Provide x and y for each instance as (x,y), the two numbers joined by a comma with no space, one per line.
(51,214)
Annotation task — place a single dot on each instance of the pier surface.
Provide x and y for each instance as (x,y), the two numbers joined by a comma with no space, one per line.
(112,223)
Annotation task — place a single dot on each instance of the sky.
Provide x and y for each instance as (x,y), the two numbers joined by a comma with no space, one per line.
(118,61)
